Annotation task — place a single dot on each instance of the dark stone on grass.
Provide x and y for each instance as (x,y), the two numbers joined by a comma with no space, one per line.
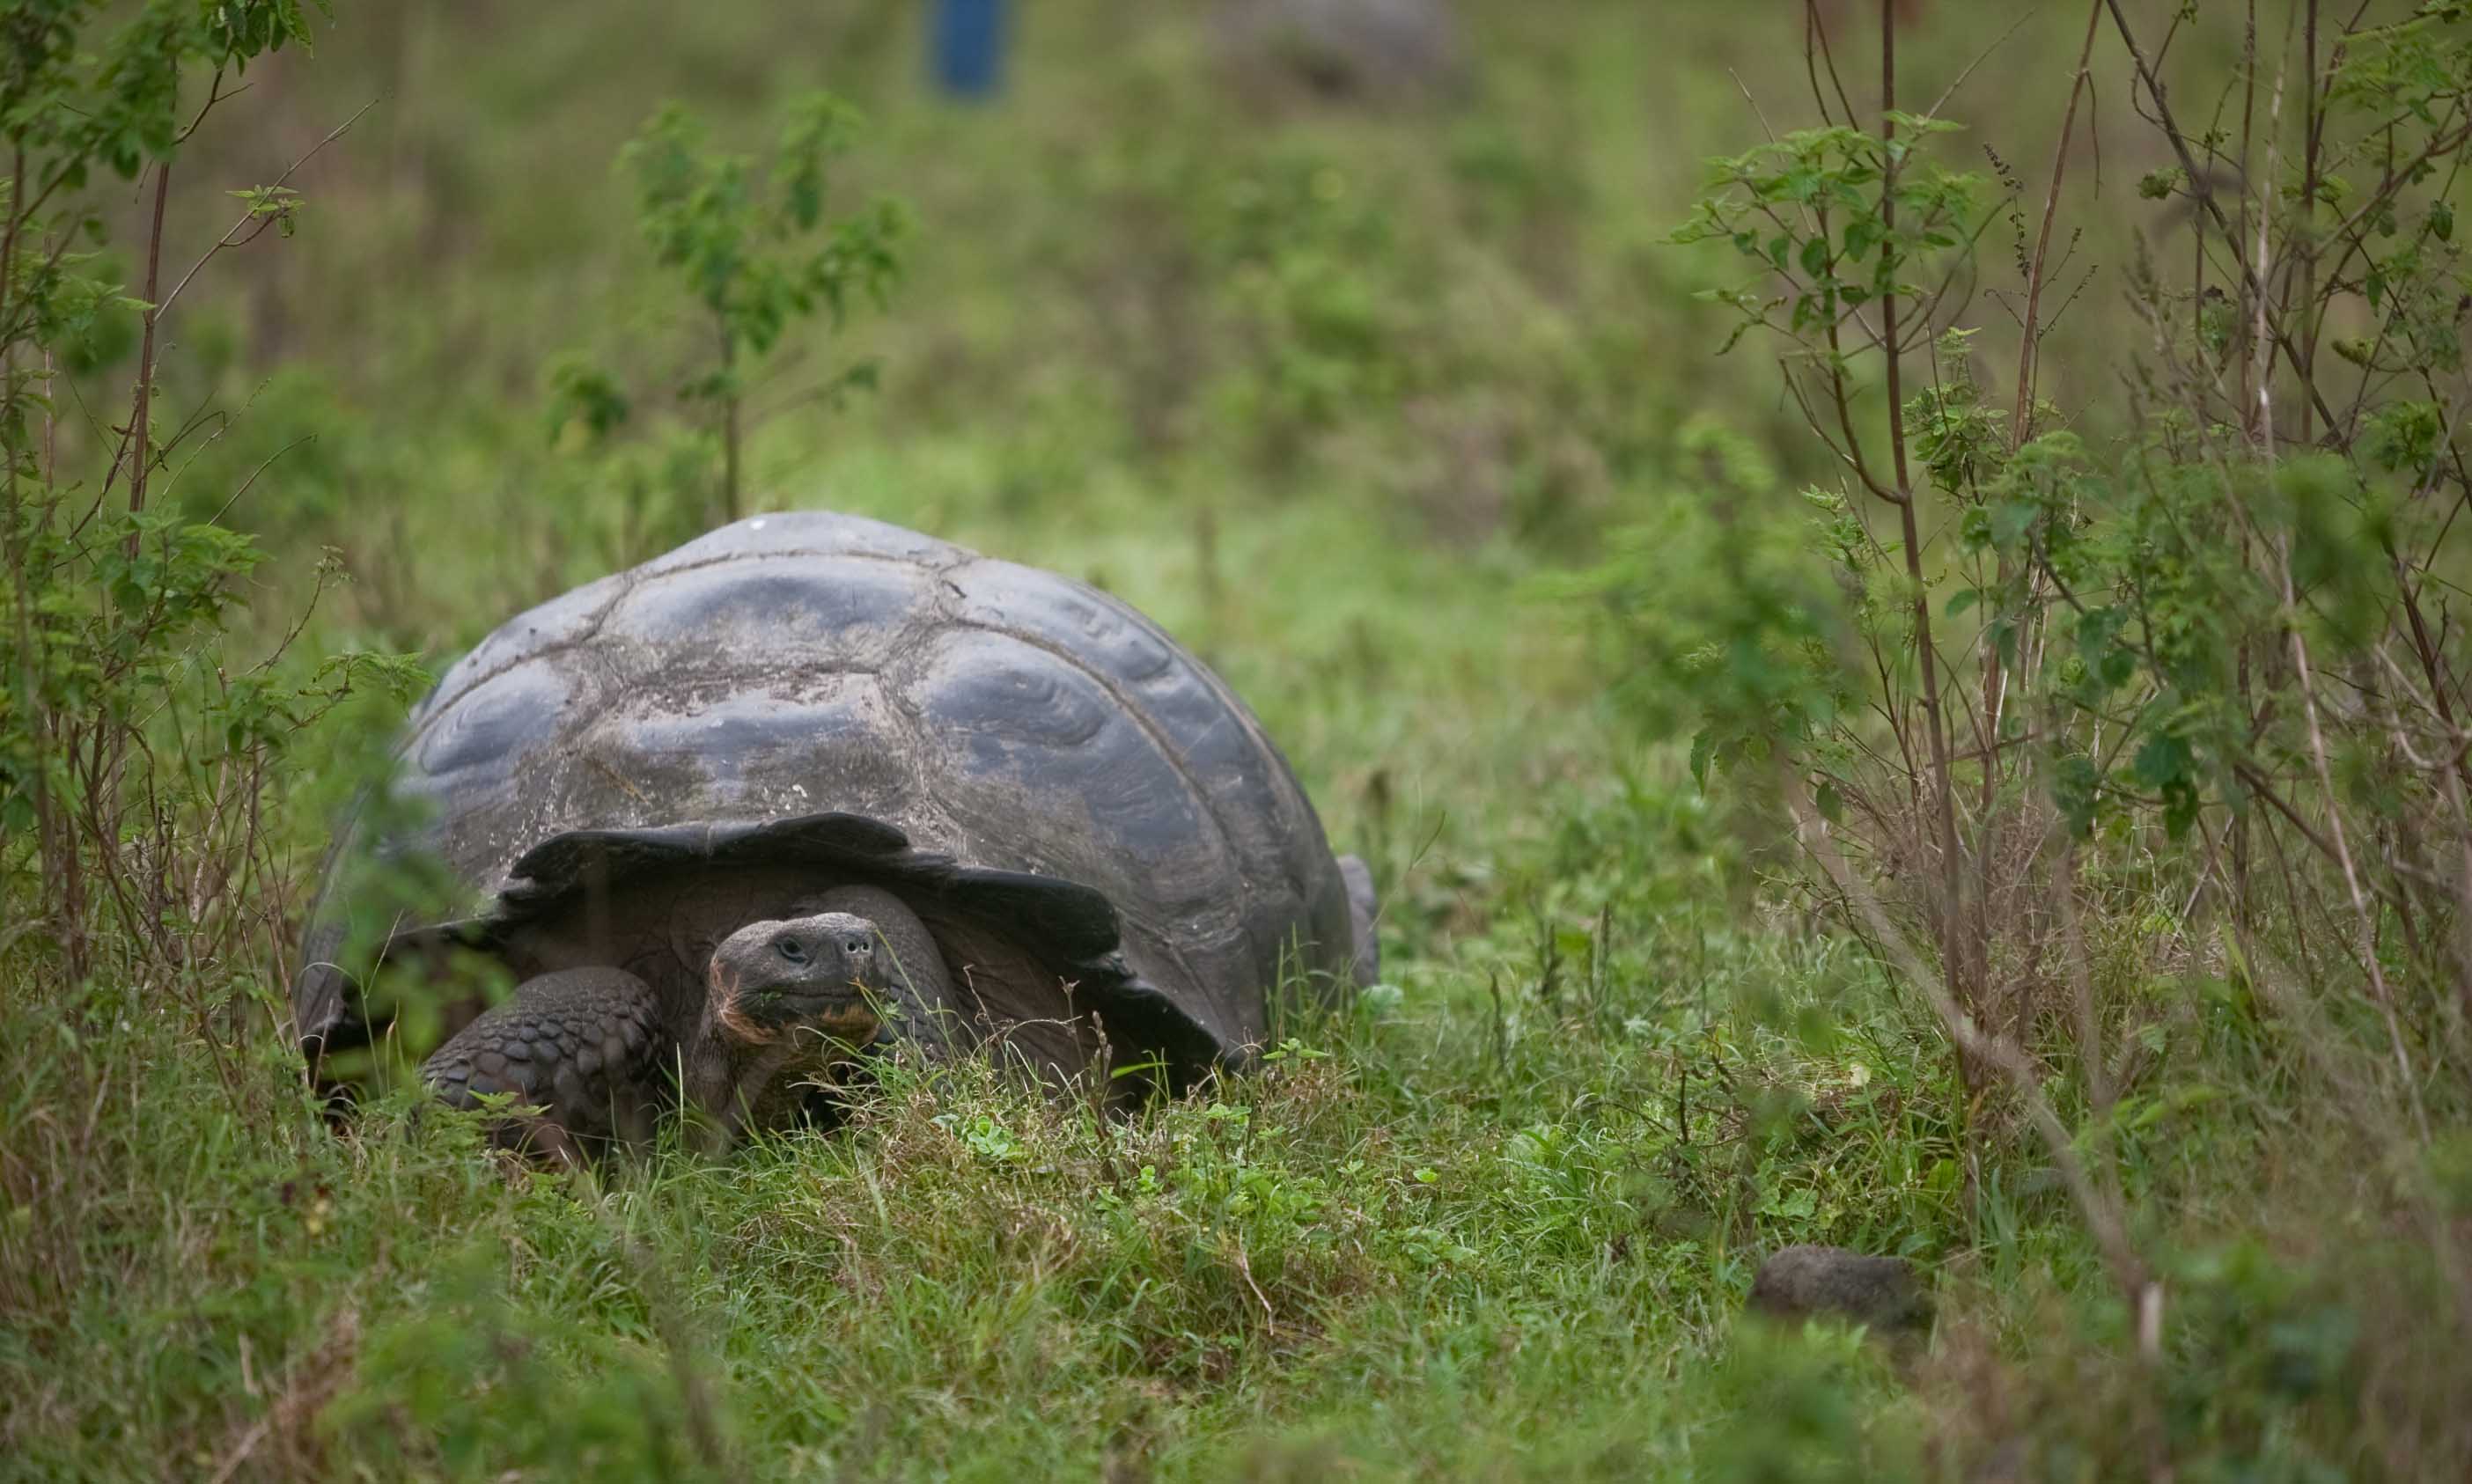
(1812,1281)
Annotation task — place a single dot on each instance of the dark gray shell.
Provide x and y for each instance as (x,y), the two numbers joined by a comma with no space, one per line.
(820,687)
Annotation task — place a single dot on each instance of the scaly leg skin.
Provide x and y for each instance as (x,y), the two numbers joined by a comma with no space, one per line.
(922,987)
(579,1043)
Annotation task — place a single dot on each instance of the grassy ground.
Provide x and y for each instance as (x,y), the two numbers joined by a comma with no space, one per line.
(1334,393)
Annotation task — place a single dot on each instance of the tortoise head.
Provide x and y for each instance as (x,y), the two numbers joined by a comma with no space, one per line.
(772,978)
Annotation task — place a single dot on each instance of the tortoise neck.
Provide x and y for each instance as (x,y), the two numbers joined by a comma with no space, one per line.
(727,1074)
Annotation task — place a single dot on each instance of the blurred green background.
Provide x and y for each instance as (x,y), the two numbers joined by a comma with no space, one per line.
(1311,351)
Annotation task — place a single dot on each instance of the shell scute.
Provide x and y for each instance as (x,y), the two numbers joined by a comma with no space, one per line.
(790,611)
(1028,747)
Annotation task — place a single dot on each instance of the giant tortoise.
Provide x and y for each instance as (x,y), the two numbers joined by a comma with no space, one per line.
(1087,840)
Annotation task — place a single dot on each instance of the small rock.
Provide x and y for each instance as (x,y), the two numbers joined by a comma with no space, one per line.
(1365,50)
(1807,1282)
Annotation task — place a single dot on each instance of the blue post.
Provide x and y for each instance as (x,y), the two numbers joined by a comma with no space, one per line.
(968,46)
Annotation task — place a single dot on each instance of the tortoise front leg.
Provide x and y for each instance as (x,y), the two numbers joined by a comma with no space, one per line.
(579,1043)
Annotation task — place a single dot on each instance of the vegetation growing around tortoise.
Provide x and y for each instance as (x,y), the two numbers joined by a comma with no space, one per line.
(2071,903)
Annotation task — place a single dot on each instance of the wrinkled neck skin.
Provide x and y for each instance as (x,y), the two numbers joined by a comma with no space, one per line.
(725,1075)
(729,1079)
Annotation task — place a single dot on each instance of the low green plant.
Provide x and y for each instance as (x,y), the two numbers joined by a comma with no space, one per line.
(2021,693)
(759,253)
(148,759)
(138,752)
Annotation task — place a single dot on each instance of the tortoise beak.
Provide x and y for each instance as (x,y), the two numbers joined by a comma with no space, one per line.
(768,1013)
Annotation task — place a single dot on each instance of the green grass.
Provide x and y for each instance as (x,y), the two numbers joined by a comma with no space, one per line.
(1335,396)
(1404,1244)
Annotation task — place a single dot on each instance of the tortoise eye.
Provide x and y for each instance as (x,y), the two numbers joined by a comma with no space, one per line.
(792,950)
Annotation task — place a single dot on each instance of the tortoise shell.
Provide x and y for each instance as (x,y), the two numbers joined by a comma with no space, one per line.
(1026,759)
